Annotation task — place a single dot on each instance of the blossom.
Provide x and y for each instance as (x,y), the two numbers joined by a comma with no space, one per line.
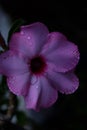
(39,64)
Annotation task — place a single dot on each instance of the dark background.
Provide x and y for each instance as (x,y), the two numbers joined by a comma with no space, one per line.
(70,111)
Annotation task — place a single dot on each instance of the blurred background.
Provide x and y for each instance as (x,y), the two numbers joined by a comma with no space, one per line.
(70,111)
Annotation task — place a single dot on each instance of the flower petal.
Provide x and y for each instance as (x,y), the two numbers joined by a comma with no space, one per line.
(36,34)
(64,82)
(48,94)
(40,95)
(32,97)
(61,54)
(19,84)
(20,44)
(30,39)
(11,64)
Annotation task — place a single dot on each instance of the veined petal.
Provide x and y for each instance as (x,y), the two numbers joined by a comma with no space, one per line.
(19,84)
(54,40)
(32,97)
(61,54)
(41,95)
(64,82)
(36,34)
(11,64)
(20,44)
(30,39)
(48,95)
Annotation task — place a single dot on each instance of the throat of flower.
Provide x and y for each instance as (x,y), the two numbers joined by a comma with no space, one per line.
(37,65)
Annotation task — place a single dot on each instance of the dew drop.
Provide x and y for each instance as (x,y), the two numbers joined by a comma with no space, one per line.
(36,86)
(22,32)
(28,37)
(33,80)
(30,40)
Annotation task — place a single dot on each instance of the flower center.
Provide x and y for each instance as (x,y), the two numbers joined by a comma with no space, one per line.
(37,65)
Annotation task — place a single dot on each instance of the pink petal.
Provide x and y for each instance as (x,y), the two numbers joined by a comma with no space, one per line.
(19,84)
(20,44)
(30,39)
(36,34)
(32,97)
(64,82)
(48,95)
(61,54)
(40,95)
(11,64)
(53,42)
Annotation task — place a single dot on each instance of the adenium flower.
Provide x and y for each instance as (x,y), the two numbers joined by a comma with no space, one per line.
(38,64)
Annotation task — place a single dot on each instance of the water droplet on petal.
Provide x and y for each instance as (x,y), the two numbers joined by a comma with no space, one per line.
(28,37)
(36,86)
(22,32)
(33,80)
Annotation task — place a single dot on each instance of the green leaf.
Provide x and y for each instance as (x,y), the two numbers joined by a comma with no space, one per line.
(15,27)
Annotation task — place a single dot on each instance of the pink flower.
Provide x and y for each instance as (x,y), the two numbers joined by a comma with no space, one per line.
(38,64)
